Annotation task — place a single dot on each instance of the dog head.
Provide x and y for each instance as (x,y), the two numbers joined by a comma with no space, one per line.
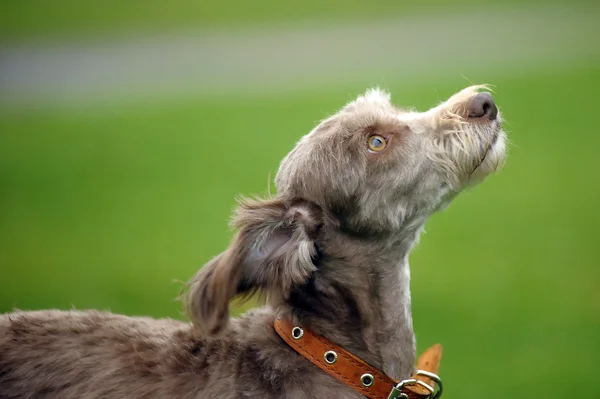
(380,167)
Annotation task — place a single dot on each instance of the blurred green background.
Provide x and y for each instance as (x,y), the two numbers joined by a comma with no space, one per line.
(111,201)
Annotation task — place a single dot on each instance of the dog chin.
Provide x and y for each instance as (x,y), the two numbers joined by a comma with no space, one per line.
(492,162)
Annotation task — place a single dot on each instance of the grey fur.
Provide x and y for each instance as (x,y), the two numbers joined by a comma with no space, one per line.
(329,251)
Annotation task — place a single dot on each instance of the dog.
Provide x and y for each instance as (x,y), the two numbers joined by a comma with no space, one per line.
(329,251)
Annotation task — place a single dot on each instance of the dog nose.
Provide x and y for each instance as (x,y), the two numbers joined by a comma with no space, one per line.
(483,105)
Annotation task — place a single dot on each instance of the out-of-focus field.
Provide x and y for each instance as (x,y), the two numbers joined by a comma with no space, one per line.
(68,18)
(108,207)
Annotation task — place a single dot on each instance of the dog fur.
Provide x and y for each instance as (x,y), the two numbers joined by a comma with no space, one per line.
(329,251)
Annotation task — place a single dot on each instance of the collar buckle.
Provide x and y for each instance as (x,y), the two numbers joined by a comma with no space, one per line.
(396,392)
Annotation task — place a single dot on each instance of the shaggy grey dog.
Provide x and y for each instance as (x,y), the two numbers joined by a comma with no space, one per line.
(329,252)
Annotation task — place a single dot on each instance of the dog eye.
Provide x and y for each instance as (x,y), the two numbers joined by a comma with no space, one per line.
(377,143)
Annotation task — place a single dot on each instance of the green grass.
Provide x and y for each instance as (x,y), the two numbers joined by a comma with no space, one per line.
(105,208)
(70,18)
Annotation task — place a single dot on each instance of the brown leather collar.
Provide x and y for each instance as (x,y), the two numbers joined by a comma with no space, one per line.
(359,375)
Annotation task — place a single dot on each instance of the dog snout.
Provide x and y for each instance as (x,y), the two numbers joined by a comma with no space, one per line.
(483,105)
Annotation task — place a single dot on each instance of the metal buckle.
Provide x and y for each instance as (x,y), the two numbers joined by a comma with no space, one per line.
(396,392)
(436,379)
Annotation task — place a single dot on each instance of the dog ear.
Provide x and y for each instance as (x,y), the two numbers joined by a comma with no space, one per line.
(272,252)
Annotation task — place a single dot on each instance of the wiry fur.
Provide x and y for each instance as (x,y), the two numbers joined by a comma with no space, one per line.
(329,251)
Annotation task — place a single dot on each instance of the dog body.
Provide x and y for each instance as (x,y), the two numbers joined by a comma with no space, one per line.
(328,252)
(91,354)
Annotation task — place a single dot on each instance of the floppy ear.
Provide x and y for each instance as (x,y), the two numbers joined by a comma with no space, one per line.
(272,252)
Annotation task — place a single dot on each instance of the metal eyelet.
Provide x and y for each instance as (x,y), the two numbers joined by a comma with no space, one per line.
(367,380)
(297,332)
(330,357)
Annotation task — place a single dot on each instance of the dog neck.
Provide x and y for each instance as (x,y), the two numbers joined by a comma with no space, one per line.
(393,326)
(359,298)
